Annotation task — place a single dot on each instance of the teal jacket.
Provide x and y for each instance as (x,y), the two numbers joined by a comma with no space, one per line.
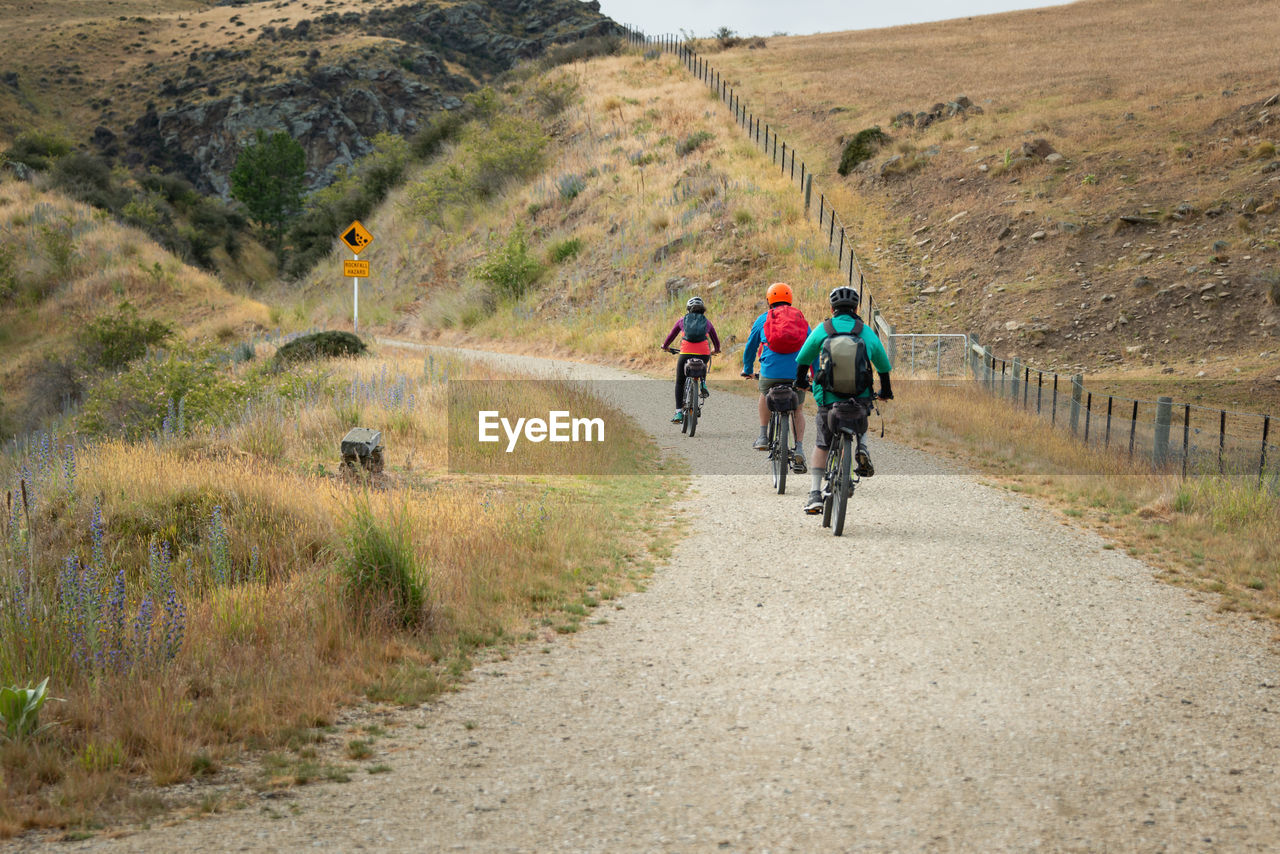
(843,323)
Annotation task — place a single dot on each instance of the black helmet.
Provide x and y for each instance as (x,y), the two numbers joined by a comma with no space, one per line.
(844,297)
(695,304)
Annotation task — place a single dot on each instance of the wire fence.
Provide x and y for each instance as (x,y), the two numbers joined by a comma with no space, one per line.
(1170,436)
(785,158)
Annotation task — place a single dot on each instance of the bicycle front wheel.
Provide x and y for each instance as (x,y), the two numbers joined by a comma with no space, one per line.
(844,485)
(779,452)
(691,406)
(833,467)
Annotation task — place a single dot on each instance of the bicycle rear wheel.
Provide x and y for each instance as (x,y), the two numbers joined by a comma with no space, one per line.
(779,451)
(845,485)
(690,406)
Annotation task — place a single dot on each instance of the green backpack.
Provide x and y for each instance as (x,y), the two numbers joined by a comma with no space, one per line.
(843,368)
(695,327)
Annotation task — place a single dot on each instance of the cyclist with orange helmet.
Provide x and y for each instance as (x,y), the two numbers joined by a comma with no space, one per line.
(776,337)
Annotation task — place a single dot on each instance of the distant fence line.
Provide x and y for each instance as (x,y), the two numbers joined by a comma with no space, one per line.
(1197,442)
(1187,437)
(785,157)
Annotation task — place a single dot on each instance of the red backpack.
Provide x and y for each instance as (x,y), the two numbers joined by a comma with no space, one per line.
(785,329)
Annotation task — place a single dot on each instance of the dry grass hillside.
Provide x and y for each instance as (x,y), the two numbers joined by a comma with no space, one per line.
(646,194)
(62,265)
(1164,113)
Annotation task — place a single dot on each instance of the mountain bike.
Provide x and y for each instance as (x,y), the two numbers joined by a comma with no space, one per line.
(847,419)
(695,374)
(783,403)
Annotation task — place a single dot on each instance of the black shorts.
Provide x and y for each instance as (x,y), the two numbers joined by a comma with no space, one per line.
(824,430)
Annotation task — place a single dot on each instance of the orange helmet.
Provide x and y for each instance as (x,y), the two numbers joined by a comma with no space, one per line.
(778,292)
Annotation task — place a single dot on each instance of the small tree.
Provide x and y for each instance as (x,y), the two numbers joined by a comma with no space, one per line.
(727,37)
(267,179)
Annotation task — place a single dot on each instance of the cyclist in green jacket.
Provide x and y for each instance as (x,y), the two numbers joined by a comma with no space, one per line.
(844,317)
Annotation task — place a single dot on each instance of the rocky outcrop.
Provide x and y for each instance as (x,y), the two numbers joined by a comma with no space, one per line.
(961,106)
(335,109)
(334,113)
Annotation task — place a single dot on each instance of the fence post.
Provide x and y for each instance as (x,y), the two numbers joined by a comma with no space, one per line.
(1266,428)
(1186,437)
(1164,417)
(784,158)
(971,341)
(1222,438)
(1133,429)
(1016,387)
(1110,402)
(1077,392)
(808,190)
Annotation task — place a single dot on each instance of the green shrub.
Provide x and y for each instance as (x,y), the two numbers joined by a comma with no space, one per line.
(380,569)
(319,345)
(112,341)
(444,127)
(511,148)
(489,155)
(88,179)
(57,240)
(581,50)
(565,249)
(862,147)
(510,268)
(168,394)
(553,95)
(8,273)
(38,150)
(692,142)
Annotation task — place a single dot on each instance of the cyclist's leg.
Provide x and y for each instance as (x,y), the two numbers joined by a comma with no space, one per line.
(680,363)
(798,419)
(705,393)
(862,456)
(762,409)
(818,465)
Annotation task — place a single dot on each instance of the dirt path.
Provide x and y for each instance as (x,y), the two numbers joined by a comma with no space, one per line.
(960,672)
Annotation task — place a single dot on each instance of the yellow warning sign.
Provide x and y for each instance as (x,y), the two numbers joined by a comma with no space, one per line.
(355,269)
(356,237)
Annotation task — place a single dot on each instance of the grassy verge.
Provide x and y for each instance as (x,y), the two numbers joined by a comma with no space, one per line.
(249,590)
(1210,533)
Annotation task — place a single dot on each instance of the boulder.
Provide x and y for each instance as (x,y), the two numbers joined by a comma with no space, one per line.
(1038,148)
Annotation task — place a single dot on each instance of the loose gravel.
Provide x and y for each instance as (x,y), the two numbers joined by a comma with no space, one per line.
(959,672)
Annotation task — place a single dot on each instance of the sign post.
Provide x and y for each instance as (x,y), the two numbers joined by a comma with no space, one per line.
(356,238)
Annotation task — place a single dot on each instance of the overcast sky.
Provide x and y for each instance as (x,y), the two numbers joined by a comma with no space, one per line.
(794,17)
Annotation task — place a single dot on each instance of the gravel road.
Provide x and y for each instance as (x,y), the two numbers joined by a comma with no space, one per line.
(959,672)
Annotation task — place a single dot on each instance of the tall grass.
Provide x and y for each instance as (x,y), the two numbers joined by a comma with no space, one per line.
(246,590)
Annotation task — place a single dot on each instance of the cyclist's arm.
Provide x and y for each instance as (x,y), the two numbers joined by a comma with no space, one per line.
(749,354)
(675,330)
(886,390)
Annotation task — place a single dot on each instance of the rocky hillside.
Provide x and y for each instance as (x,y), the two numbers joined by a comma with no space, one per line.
(1091,187)
(177,85)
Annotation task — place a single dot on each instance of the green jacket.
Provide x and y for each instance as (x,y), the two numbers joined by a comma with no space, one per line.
(843,323)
